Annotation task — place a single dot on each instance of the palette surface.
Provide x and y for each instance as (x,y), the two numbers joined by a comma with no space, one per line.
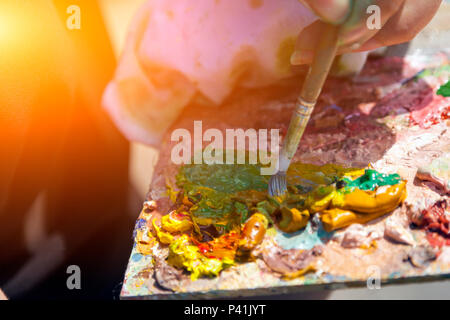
(389,120)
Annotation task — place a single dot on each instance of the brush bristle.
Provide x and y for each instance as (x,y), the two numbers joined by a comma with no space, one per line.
(277,184)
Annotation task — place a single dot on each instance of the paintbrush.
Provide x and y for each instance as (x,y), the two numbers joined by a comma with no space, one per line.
(315,78)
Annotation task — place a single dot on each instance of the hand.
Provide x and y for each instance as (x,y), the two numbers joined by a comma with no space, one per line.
(400,21)
(2,295)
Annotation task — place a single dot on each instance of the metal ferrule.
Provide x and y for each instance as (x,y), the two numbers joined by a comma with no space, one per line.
(297,126)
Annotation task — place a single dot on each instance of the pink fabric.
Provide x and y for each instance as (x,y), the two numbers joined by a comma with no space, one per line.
(179,50)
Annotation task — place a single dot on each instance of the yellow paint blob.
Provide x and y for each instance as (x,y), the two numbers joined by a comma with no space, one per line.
(293,219)
(163,237)
(175,223)
(313,175)
(382,200)
(184,254)
(341,208)
(145,242)
(299,273)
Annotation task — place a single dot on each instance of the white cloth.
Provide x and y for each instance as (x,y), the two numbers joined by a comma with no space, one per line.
(177,50)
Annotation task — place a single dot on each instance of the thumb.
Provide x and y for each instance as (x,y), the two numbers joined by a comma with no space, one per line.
(307,42)
(329,11)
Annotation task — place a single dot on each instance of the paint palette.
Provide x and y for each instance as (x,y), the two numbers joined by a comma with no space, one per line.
(363,126)
(339,267)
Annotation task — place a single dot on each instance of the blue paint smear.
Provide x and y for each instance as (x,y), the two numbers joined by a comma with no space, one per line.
(395,274)
(136,257)
(139,225)
(304,239)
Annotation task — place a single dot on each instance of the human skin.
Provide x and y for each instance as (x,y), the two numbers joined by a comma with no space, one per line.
(2,295)
(401,20)
(208,48)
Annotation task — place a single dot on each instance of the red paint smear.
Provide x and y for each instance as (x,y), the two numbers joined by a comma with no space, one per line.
(435,218)
(180,216)
(218,247)
(437,224)
(436,240)
(436,111)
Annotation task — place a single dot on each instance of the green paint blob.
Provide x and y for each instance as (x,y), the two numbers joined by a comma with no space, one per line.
(444,90)
(372,179)
(227,194)
(224,178)
(215,186)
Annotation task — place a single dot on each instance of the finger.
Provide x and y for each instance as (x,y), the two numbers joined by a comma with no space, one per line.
(404,25)
(331,11)
(306,43)
(354,32)
(356,29)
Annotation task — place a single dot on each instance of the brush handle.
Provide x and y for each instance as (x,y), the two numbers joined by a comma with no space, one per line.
(315,78)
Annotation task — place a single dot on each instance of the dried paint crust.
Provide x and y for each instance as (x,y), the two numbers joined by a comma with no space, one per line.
(354,124)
